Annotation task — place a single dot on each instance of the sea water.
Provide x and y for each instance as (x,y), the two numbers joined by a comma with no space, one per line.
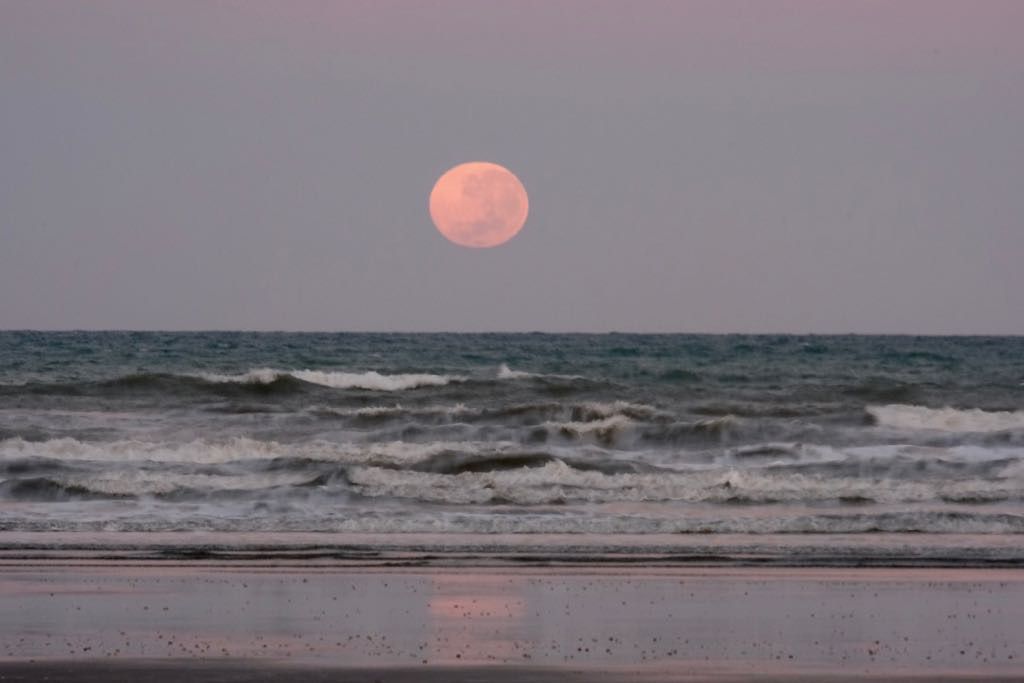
(511,433)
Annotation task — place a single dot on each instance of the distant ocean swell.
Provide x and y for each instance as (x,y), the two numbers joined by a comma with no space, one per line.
(812,399)
(266,380)
(256,378)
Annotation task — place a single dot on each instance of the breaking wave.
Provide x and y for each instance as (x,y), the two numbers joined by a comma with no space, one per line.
(546,481)
(373,381)
(566,418)
(57,453)
(945,419)
(505,372)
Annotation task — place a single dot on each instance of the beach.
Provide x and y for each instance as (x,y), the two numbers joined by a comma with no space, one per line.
(421,611)
(364,507)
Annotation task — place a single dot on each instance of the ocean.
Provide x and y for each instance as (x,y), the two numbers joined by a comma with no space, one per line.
(623,434)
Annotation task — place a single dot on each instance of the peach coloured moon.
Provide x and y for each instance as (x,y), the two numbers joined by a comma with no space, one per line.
(479,204)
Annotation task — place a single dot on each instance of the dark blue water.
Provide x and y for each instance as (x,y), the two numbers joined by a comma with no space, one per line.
(511,433)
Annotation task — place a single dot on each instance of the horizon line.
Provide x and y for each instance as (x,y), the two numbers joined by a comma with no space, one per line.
(98,330)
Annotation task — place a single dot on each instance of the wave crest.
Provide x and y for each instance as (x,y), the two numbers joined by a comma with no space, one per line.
(373,381)
(945,419)
(536,479)
(505,372)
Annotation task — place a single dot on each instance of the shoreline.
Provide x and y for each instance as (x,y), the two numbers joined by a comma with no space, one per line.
(443,550)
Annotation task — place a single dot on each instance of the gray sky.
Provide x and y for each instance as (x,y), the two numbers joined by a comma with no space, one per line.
(692,166)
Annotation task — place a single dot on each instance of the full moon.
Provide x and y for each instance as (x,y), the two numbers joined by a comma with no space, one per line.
(479,204)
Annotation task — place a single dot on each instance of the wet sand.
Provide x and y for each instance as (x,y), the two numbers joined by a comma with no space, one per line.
(93,619)
(241,672)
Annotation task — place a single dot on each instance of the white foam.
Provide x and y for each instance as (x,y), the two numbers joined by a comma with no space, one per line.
(601,410)
(371,380)
(155,516)
(604,430)
(131,451)
(717,423)
(505,372)
(254,376)
(141,482)
(243,449)
(556,482)
(398,409)
(946,419)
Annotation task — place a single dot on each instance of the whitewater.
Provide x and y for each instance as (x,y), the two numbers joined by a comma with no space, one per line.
(519,434)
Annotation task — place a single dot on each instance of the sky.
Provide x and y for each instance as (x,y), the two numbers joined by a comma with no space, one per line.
(762,166)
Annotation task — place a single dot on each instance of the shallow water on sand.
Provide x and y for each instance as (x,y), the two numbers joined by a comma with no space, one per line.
(743,621)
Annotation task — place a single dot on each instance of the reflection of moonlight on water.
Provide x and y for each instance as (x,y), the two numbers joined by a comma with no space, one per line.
(479,204)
